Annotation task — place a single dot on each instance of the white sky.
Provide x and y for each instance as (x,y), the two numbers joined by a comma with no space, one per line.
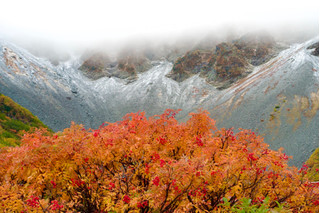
(92,20)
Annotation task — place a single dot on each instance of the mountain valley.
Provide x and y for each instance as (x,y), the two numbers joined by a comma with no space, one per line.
(252,83)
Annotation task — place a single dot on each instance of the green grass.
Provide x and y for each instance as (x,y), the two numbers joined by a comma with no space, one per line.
(6,134)
(313,163)
(15,125)
(14,120)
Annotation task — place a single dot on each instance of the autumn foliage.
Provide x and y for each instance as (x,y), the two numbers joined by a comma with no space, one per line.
(152,164)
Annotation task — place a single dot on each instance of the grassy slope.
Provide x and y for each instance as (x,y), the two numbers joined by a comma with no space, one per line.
(313,163)
(14,119)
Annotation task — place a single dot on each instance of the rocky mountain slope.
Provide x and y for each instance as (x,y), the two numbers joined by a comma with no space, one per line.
(278,98)
(125,66)
(228,62)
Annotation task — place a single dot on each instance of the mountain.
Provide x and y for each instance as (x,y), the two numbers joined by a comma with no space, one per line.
(277,96)
(126,66)
(14,119)
(228,62)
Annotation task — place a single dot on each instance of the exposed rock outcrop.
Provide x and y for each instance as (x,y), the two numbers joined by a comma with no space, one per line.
(258,48)
(228,62)
(315,46)
(96,66)
(191,63)
(130,65)
(126,66)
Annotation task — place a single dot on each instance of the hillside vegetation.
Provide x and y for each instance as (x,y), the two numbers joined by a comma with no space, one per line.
(152,164)
(14,120)
(228,62)
(313,164)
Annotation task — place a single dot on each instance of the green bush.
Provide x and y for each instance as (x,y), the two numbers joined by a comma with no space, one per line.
(6,134)
(313,164)
(15,125)
(2,116)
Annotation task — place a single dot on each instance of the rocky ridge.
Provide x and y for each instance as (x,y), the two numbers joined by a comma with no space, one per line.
(228,62)
(315,48)
(278,99)
(126,66)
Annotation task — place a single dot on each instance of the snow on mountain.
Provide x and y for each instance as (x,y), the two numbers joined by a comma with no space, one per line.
(279,98)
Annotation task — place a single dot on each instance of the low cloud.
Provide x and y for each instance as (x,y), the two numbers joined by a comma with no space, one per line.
(58,29)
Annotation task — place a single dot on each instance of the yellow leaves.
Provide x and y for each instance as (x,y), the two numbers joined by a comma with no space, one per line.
(211,188)
(44,203)
(237,189)
(155,159)
(10,201)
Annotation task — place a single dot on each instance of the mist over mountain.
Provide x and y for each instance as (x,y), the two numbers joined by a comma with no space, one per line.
(57,51)
(161,106)
(249,80)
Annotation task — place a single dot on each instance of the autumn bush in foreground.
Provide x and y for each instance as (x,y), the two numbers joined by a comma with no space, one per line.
(151,165)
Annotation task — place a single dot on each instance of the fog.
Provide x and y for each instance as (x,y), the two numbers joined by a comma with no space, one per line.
(58,29)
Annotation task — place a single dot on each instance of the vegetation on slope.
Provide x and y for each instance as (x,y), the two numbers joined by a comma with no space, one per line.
(95,66)
(228,62)
(14,120)
(152,164)
(313,164)
(127,66)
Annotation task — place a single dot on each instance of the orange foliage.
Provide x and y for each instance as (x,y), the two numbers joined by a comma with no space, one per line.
(148,165)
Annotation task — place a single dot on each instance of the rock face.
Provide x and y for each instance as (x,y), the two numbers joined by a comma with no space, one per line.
(258,48)
(228,62)
(125,66)
(130,65)
(96,66)
(315,48)
(191,63)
